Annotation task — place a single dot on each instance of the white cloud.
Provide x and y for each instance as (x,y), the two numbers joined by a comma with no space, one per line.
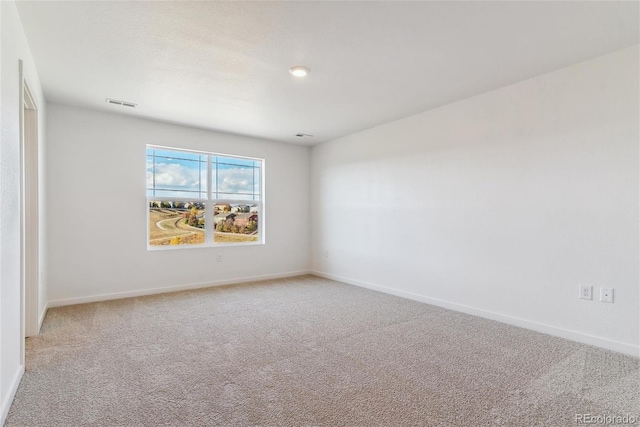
(238,180)
(173,176)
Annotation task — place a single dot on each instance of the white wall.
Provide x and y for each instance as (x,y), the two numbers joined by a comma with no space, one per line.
(97,210)
(13,48)
(498,205)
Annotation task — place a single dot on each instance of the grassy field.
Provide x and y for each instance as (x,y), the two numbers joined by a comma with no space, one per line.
(164,231)
(233,238)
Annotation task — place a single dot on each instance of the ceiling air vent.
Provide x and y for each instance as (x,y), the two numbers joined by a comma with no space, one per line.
(122,103)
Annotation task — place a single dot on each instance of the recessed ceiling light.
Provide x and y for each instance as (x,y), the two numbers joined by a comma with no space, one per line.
(299,71)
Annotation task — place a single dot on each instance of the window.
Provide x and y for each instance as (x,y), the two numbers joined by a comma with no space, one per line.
(203,199)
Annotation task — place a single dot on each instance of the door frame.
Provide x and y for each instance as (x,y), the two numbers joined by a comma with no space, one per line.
(29,211)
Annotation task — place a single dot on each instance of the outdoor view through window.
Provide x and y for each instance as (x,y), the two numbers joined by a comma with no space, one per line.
(205,199)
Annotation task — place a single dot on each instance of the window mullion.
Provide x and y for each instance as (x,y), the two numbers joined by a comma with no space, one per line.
(208,222)
(154,172)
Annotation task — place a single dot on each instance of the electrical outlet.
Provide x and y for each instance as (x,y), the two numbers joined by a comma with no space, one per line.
(606,294)
(219,258)
(585,292)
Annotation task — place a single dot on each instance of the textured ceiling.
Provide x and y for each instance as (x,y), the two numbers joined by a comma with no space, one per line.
(224,65)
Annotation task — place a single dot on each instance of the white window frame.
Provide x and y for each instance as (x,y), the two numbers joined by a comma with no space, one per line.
(209,203)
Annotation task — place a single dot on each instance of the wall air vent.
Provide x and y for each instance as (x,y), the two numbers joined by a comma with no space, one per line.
(122,103)
(303,135)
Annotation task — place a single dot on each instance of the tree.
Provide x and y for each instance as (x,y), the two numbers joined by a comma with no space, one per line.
(192,219)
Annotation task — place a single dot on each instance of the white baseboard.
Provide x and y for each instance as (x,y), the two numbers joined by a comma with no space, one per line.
(620,347)
(42,316)
(8,399)
(153,291)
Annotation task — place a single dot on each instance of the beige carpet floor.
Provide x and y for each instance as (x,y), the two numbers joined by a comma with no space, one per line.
(307,352)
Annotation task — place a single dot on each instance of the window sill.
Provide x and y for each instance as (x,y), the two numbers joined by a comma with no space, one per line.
(200,246)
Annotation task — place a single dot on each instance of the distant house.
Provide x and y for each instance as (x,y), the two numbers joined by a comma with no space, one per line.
(224,216)
(222,207)
(244,219)
(241,208)
(253,209)
(189,205)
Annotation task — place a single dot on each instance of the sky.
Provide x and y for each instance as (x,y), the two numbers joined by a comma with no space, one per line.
(184,174)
